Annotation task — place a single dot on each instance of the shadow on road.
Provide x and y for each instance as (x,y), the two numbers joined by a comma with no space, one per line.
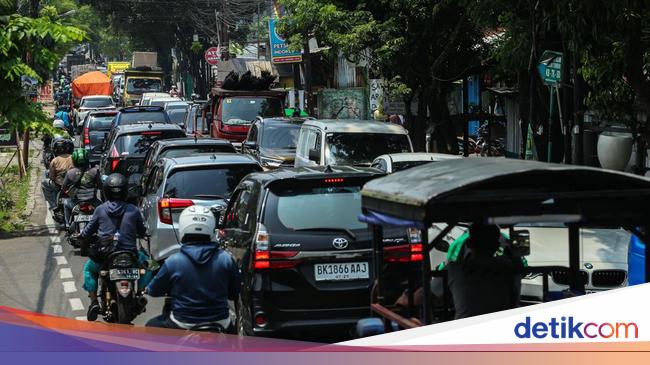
(35,231)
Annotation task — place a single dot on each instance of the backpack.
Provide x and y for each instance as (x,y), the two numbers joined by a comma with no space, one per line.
(101,248)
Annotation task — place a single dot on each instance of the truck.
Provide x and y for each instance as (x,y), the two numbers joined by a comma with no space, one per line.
(236,110)
(116,67)
(144,76)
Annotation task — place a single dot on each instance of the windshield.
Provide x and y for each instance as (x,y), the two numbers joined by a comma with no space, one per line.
(142,117)
(97,103)
(244,109)
(215,181)
(136,85)
(177,116)
(363,148)
(136,145)
(101,123)
(280,136)
(403,165)
(313,207)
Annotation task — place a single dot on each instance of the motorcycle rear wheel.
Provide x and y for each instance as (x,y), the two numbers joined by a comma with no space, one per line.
(124,308)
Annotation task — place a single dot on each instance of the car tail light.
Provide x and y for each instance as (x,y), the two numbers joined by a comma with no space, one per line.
(260,320)
(334,180)
(86,137)
(411,252)
(167,205)
(115,156)
(86,207)
(151,133)
(262,256)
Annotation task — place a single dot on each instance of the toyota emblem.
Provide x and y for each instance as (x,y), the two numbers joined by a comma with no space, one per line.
(340,243)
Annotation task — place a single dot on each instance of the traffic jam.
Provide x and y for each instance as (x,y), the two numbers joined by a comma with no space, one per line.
(250,220)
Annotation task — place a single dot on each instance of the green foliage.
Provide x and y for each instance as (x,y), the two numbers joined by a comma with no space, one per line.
(29,47)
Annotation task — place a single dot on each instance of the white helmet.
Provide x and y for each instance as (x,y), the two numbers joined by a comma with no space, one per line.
(197,220)
(58,123)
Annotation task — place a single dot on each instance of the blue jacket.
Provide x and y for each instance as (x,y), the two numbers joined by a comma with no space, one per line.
(200,279)
(107,216)
(64,117)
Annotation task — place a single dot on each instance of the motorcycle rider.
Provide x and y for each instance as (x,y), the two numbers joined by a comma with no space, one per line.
(62,114)
(199,279)
(80,183)
(115,220)
(59,166)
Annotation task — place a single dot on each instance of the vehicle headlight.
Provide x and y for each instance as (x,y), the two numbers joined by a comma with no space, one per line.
(270,162)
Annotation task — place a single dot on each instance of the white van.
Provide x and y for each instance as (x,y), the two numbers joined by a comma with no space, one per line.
(348,142)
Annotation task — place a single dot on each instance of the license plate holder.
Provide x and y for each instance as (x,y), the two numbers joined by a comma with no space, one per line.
(342,271)
(124,274)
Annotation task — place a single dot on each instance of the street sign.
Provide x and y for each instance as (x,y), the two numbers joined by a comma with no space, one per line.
(550,68)
(280,52)
(212,55)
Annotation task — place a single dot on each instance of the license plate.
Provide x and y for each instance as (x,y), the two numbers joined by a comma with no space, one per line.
(124,274)
(341,271)
(83,218)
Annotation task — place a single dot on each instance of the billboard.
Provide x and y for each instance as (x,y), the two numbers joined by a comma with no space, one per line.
(280,52)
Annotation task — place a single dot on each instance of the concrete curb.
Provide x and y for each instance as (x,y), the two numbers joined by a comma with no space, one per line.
(35,178)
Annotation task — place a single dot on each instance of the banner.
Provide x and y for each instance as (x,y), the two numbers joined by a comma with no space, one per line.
(280,52)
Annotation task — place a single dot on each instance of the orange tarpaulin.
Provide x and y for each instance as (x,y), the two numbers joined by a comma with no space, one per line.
(91,83)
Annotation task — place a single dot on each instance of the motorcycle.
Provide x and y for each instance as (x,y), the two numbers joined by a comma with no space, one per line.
(81,214)
(119,297)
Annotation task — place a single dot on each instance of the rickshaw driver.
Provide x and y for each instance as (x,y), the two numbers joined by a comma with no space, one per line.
(489,243)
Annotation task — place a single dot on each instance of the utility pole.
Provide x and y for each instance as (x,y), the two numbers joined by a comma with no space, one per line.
(259,23)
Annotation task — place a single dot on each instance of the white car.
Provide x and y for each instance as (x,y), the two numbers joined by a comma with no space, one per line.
(146,97)
(603,258)
(93,102)
(162,101)
(394,162)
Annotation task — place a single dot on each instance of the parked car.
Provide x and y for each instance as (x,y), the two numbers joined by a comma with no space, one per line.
(96,127)
(182,147)
(272,141)
(176,111)
(177,183)
(394,162)
(126,146)
(146,97)
(305,258)
(92,102)
(348,142)
(141,115)
(196,123)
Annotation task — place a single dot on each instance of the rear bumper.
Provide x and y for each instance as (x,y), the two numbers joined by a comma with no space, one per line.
(311,320)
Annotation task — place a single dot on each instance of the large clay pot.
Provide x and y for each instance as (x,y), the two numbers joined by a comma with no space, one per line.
(614,150)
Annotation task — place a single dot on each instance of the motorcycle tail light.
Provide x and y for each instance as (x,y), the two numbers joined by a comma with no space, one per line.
(86,207)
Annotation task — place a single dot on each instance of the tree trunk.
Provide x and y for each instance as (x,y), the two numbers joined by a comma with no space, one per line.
(308,92)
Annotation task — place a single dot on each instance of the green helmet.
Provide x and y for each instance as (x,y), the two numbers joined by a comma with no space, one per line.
(80,157)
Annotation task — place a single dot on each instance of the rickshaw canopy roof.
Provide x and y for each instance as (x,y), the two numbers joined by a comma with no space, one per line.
(477,188)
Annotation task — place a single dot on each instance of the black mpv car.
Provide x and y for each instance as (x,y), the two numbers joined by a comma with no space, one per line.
(305,258)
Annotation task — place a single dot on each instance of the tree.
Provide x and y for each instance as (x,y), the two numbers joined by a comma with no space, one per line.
(422,46)
(30,48)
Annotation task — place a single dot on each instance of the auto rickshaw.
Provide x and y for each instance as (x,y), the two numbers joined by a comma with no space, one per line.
(497,191)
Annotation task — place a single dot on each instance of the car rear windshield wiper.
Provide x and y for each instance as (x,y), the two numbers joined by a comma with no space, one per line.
(210,196)
(329,229)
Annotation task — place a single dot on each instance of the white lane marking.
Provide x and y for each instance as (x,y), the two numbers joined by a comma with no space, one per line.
(61,260)
(81,318)
(69,287)
(65,273)
(76,304)
(55,239)
(57,249)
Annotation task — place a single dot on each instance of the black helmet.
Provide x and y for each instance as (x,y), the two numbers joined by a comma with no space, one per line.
(62,146)
(116,187)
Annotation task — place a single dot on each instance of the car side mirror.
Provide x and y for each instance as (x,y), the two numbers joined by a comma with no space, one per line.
(314,155)
(251,145)
(520,239)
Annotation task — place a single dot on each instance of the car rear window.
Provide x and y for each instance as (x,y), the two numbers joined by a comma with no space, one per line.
(177,116)
(280,135)
(187,151)
(101,123)
(97,103)
(316,207)
(142,117)
(403,165)
(210,182)
(137,144)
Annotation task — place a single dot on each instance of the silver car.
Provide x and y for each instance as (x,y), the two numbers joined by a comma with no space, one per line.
(177,183)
